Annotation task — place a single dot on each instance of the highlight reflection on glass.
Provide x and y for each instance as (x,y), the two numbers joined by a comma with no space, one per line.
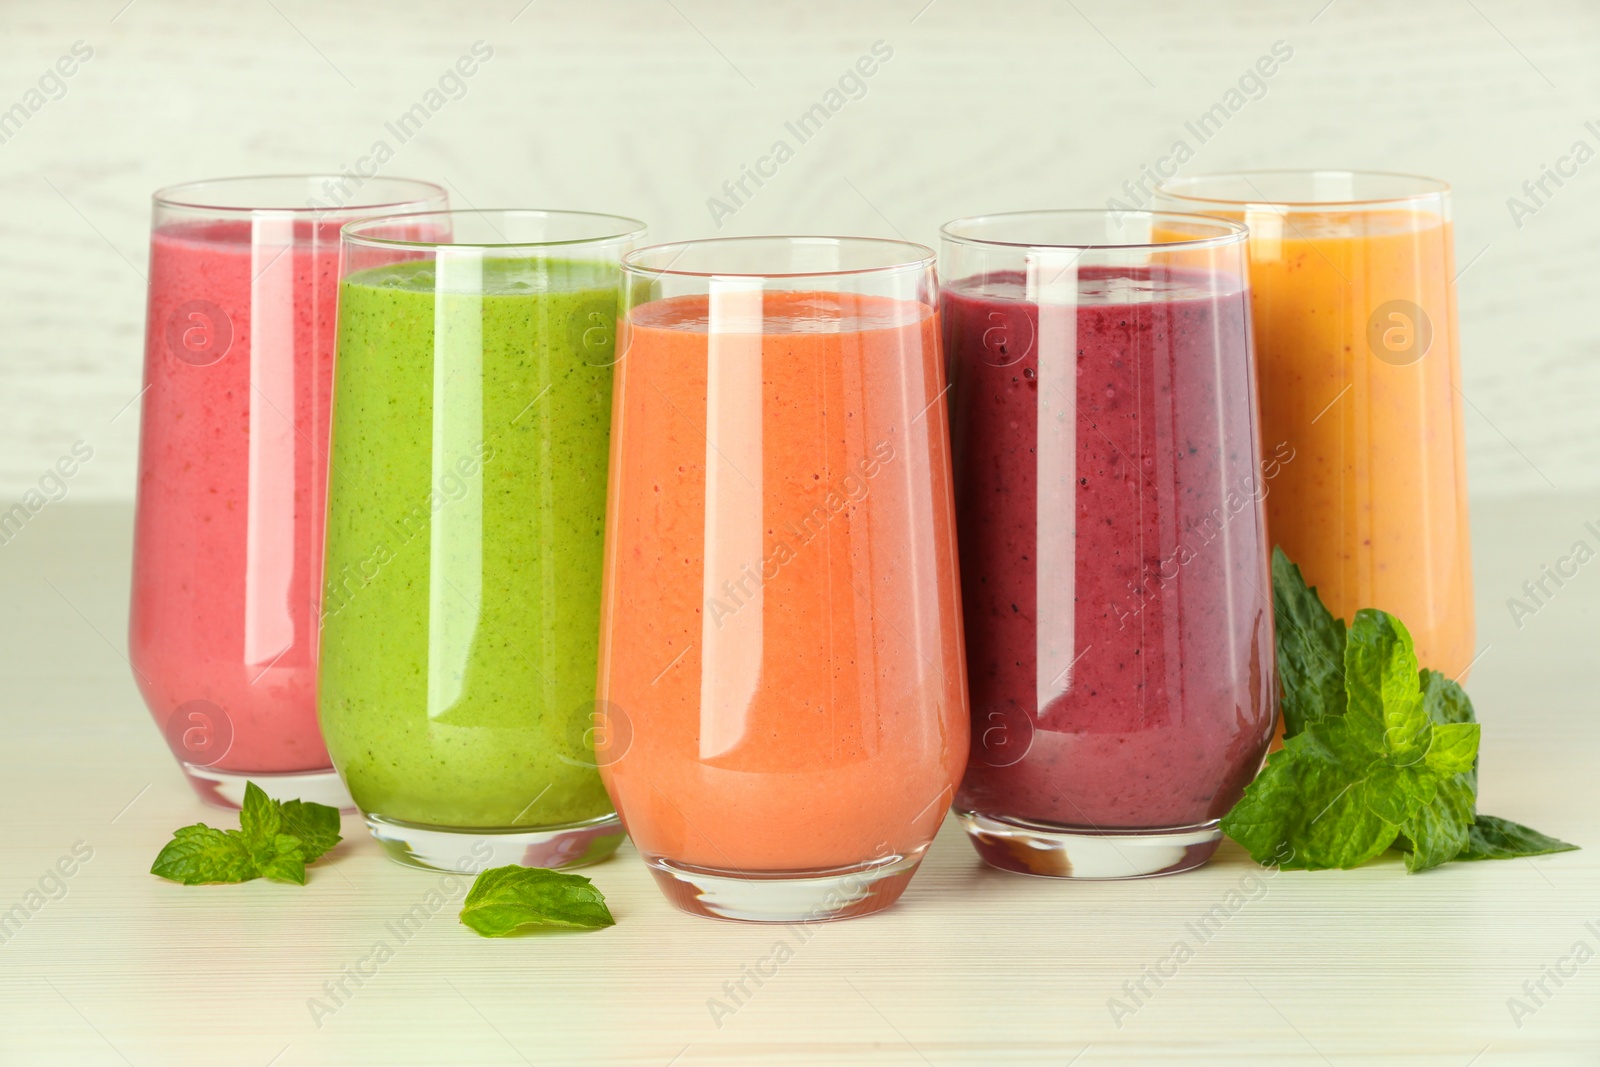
(781,667)
(466,530)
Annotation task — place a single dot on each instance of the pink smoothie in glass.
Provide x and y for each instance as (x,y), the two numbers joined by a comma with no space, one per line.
(232,490)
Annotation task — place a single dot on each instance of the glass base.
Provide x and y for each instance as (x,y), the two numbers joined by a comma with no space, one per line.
(460,848)
(1077,852)
(785,896)
(225,789)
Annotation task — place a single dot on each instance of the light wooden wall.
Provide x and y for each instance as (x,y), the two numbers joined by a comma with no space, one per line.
(647,107)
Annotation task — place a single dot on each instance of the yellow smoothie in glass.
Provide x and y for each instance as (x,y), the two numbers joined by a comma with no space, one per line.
(1353,302)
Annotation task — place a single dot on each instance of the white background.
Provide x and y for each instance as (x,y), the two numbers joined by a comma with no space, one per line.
(645,108)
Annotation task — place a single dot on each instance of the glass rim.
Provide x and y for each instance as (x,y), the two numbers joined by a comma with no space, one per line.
(623,228)
(922,258)
(1425,188)
(182,196)
(1230,232)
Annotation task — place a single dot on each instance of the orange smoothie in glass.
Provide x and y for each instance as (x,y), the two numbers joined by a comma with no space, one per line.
(1353,301)
(781,677)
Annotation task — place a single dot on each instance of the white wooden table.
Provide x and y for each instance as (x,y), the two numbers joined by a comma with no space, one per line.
(972,967)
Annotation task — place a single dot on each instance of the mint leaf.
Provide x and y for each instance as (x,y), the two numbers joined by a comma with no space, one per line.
(504,900)
(274,841)
(1454,748)
(199,855)
(1494,838)
(1489,837)
(1447,703)
(1310,646)
(1346,785)
(1386,753)
(259,817)
(1346,829)
(1376,752)
(1261,820)
(1395,794)
(1438,831)
(287,861)
(316,825)
(1382,692)
(1307,803)
(1444,700)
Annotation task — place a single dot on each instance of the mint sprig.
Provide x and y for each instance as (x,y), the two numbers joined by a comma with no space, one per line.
(274,840)
(507,900)
(200,855)
(1376,754)
(1498,839)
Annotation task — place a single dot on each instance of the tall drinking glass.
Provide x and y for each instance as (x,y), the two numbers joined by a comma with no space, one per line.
(227,557)
(1353,298)
(782,699)
(466,526)
(1113,551)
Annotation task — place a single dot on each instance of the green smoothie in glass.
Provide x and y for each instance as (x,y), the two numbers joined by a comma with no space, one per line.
(471,427)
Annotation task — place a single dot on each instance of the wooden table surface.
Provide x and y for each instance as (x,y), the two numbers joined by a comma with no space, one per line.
(972,967)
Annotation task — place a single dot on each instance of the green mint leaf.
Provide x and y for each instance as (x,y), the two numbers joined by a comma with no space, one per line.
(1446,704)
(260,818)
(1395,794)
(200,855)
(316,825)
(1261,820)
(1382,691)
(1437,832)
(1376,751)
(1345,834)
(1414,779)
(287,863)
(1337,794)
(504,900)
(1444,700)
(1493,838)
(1308,809)
(1454,749)
(273,840)
(1342,827)
(1310,646)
